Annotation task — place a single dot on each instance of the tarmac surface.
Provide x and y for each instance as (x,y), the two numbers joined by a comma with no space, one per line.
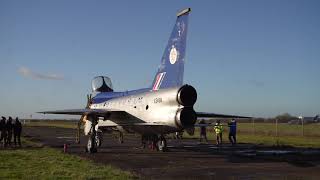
(187,159)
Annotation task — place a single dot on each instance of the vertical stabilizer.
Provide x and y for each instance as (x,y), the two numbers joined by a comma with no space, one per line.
(170,71)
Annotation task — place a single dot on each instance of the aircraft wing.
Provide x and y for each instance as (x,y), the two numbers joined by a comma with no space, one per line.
(81,111)
(214,115)
(116,116)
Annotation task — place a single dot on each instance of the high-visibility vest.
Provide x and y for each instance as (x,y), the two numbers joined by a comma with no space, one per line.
(218,129)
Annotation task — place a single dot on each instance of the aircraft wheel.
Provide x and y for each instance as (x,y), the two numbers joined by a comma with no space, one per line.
(162,144)
(98,139)
(91,147)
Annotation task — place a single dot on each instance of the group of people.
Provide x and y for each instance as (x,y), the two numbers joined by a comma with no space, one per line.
(8,128)
(218,129)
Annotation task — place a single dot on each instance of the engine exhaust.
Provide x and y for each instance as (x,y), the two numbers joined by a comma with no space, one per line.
(186,117)
(187,95)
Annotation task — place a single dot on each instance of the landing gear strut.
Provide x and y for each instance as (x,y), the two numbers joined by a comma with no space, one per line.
(78,131)
(120,138)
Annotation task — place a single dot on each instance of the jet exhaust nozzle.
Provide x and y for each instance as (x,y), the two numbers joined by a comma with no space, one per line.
(186,117)
(187,95)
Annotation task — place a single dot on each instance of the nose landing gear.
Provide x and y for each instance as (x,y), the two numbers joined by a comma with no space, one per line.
(94,140)
(91,145)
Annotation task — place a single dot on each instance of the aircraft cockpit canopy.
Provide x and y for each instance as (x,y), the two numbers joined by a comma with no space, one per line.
(101,84)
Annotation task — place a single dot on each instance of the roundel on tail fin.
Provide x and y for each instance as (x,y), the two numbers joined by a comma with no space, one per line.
(173,56)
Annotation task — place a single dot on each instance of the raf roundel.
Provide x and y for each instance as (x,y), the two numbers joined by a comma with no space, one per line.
(173,55)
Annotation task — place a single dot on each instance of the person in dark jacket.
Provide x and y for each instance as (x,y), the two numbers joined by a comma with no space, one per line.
(9,129)
(232,131)
(17,132)
(203,131)
(3,132)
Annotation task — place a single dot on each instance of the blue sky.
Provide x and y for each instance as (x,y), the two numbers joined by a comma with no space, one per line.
(258,58)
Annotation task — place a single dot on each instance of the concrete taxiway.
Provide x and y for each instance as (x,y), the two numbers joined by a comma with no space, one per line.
(187,159)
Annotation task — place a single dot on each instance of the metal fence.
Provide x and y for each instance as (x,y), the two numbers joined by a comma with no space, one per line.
(276,129)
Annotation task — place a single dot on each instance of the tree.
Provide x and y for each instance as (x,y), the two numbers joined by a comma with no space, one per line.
(285,117)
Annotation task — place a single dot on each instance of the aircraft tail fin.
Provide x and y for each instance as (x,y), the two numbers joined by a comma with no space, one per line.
(170,71)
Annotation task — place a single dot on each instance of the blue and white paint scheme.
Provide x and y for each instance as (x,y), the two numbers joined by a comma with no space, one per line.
(164,107)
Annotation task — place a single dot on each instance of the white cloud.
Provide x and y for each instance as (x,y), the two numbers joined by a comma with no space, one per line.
(26,72)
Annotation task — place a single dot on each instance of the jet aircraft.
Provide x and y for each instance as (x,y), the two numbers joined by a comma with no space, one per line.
(164,107)
(305,120)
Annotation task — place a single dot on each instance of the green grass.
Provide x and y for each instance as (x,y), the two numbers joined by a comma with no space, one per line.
(53,123)
(46,163)
(265,134)
(284,129)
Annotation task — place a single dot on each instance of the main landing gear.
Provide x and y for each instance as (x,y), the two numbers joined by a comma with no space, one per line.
(162,144)
(155,142)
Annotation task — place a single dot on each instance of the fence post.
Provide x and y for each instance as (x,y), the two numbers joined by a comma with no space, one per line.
(253,128)
(302,122)
(277,127)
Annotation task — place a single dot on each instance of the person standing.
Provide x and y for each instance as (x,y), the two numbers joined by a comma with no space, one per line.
(9,129)
(203,131)
(218,128)
(232,131)
(3,131)
(17,132)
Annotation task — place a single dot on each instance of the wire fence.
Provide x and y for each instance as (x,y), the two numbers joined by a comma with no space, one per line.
(266,133)
(277,129)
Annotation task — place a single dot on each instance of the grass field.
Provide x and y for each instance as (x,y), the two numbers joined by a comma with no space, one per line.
(37,162)
(53,123)
(295,141)
(284,129)
(265,134)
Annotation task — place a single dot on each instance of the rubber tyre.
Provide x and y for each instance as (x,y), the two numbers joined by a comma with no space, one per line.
(90,148)
(162,145)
